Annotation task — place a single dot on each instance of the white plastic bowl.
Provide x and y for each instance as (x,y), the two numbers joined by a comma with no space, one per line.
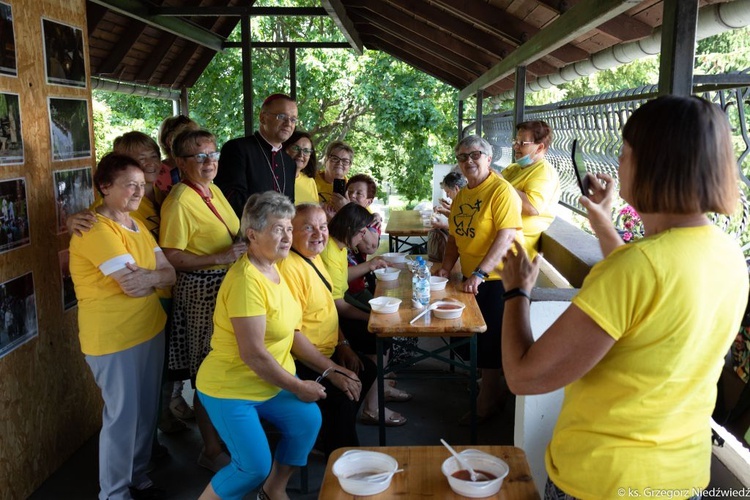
(437,283)
(385,305)
(446,309)
(359,462)
(479,461)
(395,257)
(387,274)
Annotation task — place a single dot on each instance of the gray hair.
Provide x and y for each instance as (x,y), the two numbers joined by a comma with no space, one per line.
(454,180)
(474,140)
(260,206)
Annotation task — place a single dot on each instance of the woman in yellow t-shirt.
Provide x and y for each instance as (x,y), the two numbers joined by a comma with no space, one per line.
(116,268)
(300,148)
(337,162)
(484,220)
(198,231)
(535,180)
(250,373)
(310,283)
(640,349)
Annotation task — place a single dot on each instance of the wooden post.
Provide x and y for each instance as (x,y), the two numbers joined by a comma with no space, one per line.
(678,47)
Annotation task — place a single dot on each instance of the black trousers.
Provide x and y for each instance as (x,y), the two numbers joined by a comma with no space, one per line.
(339,413)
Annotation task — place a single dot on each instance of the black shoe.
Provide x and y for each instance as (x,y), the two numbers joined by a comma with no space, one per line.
(150,493)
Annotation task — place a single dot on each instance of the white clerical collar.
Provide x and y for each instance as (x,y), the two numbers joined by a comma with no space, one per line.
(274,149)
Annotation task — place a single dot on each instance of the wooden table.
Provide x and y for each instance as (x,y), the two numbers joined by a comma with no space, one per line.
(388,326)
(403,224)
(422,477)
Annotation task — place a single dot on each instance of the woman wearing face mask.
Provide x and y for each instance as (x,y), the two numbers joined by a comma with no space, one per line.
(535,180)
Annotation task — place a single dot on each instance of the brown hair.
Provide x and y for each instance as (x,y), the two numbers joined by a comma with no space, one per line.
(540,130)
(110,167)
(312,161)
(683,160)
(348,221)
(372,187)
(188,138)
(128,142)
(171,127)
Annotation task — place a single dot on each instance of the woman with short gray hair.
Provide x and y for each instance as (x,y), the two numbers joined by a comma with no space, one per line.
(250,373)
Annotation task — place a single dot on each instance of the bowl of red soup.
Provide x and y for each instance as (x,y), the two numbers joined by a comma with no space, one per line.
(491,470)
(448,309)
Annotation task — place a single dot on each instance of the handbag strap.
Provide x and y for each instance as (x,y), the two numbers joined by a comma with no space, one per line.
(209,204)
(325,281)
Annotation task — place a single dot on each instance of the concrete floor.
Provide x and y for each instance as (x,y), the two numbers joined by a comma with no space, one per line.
(432,414)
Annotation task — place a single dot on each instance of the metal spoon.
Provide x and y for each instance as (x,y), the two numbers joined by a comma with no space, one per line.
(375,478)
(475,476)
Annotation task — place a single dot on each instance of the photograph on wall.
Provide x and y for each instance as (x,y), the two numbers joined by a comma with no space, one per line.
(69,299)
(14,217)
(73,193)
(63,53)
(7,42)
(69,128)
(18,322)
(11,143)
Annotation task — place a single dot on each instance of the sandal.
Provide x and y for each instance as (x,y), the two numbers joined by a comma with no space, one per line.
(396,395)
(262,495)
(395,420)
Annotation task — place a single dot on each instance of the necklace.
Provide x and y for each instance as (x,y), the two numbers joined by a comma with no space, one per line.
(270,167)
(132,226)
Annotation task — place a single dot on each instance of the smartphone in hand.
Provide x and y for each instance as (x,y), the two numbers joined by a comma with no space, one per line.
(339,186)
(579,169)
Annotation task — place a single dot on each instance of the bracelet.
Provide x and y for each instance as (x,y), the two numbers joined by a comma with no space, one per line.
(516,292)
(478,275)
(343,342)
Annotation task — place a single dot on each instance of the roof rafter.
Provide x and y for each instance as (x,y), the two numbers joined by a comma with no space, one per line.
(136,9)
(580,19)
(338,13)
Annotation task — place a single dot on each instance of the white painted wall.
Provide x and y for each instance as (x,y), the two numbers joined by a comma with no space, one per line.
(536,415)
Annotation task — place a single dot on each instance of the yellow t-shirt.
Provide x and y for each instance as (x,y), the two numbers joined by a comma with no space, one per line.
(325,189)
(188,224)
(108,320)
(640,418)
(338,267)
(305,190)
(478,214)
(148,214)
(320,321)
(246,292)
(542,186)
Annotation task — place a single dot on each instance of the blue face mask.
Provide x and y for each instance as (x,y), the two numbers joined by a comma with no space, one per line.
(525,161)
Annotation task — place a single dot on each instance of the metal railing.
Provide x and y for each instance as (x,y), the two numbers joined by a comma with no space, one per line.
(597,122)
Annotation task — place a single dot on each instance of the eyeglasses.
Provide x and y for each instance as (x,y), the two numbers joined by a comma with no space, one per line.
(204,157)
(474,155)
(283,117)
(304,151)
(330,370)
(344,161)
(516,142)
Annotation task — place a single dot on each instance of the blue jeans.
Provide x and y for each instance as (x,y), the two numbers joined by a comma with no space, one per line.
(238,423)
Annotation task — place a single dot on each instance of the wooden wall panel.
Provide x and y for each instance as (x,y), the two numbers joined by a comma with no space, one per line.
(49,404)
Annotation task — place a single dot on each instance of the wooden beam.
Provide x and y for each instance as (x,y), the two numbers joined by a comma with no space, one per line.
(580,19)
(435,71)
(337,12)
(507,26)
(437,50)
(178,65)
(129,36)
(139,10)
(198,68)
(391,19)
(156,57)
(622,27)
(678,47)
(94,15)
(236,11)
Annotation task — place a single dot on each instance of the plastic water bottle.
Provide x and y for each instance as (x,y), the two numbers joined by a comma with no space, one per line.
(421,283)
